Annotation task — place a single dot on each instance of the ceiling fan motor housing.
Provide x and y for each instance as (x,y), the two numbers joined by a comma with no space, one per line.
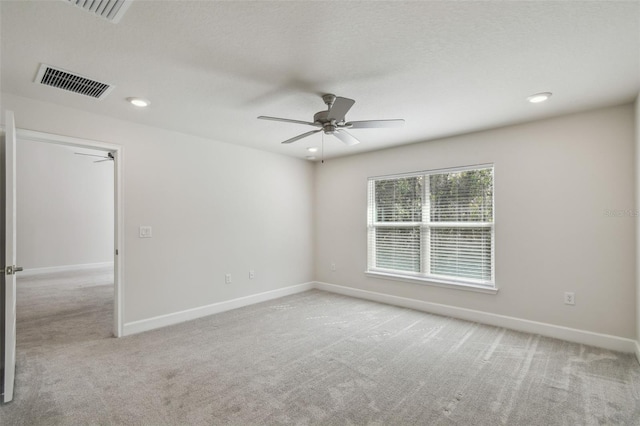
(322,120)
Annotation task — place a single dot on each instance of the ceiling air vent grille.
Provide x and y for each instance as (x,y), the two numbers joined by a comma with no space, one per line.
(111,10)
(71,82)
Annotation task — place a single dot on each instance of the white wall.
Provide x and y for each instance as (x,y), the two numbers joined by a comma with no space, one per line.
(65,205)
(215,208)
(218,208)
(554,180)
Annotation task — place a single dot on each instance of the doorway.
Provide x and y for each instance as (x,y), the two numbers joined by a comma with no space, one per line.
(100,162)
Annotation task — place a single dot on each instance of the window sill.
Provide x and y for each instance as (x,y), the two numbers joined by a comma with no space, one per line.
(433,282)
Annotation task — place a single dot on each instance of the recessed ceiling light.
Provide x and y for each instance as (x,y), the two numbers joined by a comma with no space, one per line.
(539,97)
(139,102)
(312,149)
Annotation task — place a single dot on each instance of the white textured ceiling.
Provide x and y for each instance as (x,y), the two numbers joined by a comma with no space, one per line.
(448,67)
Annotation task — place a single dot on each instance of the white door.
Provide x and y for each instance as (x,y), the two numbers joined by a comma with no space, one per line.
(10,258)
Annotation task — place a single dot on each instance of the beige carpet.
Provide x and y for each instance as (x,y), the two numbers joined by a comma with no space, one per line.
(311,358)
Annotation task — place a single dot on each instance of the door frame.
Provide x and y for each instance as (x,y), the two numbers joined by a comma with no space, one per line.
(8,154)
(118,188)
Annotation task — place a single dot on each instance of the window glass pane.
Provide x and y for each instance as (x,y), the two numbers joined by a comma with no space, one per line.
(465,196)
(448,235)
(398,248)
(399,200)
(461,252)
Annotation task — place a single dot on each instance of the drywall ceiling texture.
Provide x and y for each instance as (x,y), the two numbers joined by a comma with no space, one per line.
(211,67)
(554,182)
(215,208)
(65,206)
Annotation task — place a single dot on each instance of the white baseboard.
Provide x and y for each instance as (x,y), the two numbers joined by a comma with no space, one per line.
(215,308)
(65,268)
(606,341)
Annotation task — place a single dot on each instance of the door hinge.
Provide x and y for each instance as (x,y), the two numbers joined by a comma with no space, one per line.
(11,270)
(116,252)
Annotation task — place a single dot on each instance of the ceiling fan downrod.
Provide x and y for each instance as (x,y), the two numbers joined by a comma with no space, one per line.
(329,99)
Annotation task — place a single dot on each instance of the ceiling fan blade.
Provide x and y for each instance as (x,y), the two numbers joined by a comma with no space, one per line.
(90,155)
(374,124)
(287,120)
(304,135)
(346,137)
(340,108)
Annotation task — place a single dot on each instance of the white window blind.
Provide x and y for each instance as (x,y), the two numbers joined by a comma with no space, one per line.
(433,225)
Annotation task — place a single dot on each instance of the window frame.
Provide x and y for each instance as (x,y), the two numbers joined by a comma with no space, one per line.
(425,226)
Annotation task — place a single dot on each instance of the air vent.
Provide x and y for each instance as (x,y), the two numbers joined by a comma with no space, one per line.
(71,82)
(111,10)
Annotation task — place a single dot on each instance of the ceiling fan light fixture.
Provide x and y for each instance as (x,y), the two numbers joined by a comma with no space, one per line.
(539,97)
(139,102)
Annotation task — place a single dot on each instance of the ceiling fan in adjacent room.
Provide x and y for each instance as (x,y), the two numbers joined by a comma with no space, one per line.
(333,122)
(108,157)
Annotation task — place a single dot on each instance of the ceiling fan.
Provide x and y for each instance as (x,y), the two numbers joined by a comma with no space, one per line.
(108,157)
(332,121)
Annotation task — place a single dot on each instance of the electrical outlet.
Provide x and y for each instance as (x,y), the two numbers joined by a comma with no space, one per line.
(252,274)
(569,298)
(333,267)
(227,278)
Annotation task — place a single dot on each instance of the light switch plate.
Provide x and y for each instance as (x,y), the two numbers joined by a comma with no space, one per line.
(145,232)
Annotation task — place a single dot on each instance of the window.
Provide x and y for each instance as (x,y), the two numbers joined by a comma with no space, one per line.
(433,226)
